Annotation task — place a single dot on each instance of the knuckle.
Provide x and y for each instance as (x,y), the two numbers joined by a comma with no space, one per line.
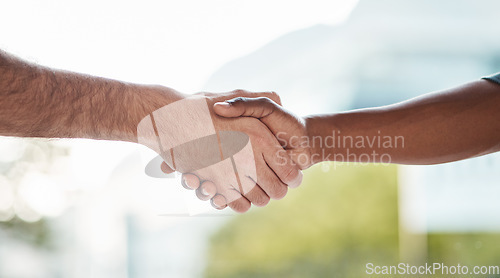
(238,99)
(238,91)
(266,105)
(274,96)
(288,174)
(265,100)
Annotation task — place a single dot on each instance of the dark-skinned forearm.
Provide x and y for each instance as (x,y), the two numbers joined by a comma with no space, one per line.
(440,127)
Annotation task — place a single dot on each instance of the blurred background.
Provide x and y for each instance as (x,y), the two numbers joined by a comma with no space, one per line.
(81,208)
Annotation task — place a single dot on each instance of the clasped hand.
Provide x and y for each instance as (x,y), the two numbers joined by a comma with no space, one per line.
(262,168)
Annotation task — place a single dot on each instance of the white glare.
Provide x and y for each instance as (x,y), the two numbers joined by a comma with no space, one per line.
(11,149)
(6,194)
(42,194)
(25,213)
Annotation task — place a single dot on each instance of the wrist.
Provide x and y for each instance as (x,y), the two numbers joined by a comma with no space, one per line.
(311,126)
(321,131)
(180,129)
(144,100)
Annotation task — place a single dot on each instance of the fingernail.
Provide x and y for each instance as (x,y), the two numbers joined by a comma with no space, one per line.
(207,188)
(218,202)
(297,181)
(183,183)
(223,104)
(201,195)
(190,181)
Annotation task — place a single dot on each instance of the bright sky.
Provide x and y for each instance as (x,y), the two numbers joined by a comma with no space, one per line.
(176,43)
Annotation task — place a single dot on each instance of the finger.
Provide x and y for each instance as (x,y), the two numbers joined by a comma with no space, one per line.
(262,108)
(206,191)
(166,169)
(266,110)
(256,195)
(269,182)
(259,107)
(246,94)
(234,199)
(218,202)
(279,160)
(221,176)
(240,205)
(275,157)
(224,177)
(245,166)
(190,181)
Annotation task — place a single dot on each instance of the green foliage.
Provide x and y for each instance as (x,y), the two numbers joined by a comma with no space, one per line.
(465,249)
(331,226)
(37,234)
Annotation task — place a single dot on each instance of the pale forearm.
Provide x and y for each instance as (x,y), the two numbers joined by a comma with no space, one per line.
(37,101)
(440,127)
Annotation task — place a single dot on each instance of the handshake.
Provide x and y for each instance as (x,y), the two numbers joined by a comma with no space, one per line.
(234,149)
(241,148)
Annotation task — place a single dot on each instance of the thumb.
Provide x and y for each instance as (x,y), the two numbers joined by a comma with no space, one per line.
(247,107)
